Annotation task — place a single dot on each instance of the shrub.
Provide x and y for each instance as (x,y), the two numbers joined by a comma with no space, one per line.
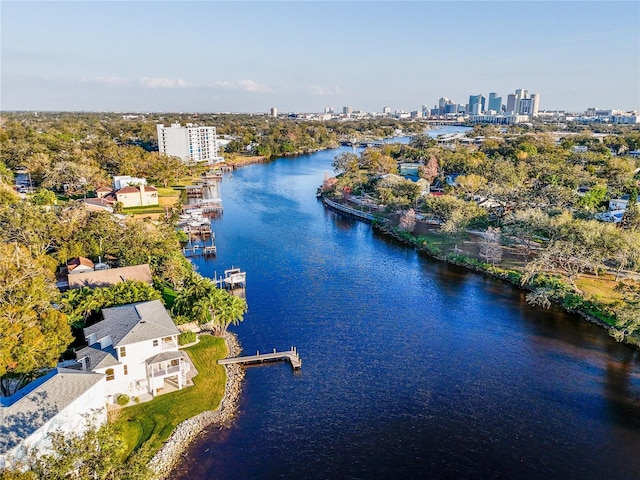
(182,236)
(122,399)
(186,337)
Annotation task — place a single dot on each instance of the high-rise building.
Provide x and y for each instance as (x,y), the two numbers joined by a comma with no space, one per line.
(476,104)
(192,143)
(526,106)
(535,99)
(495,102)
(511,103)
(451,108)
(347,110)
(386,110)
(273,112)
(444,105)
(521,95)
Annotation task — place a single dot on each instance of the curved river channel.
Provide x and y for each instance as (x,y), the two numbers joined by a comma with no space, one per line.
(411,368)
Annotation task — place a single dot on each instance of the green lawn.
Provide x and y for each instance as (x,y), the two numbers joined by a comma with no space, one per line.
(169,296)
(153,422)
(601,288)
(168,192)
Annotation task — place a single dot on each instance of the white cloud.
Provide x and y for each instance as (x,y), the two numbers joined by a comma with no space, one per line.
(110,81)
(165,83)
(242,85)
(161,83)
(251,86)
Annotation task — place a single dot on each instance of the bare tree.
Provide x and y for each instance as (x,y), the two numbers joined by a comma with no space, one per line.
(408,221)
(490,248)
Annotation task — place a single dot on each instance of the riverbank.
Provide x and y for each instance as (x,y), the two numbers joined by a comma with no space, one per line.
(186,432)
(463,259)
(495,271)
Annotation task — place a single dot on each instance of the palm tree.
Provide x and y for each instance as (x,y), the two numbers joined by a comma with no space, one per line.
(230,310)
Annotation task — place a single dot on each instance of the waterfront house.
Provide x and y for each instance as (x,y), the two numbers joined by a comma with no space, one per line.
(130,191)
(136,347)
(63,400)
(140,196)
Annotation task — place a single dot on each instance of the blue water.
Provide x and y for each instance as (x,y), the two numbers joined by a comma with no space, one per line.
(411,368)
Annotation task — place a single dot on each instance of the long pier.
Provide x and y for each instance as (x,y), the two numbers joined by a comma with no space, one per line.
(291,356)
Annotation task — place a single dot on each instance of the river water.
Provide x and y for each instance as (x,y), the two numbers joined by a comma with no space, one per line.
(411,368)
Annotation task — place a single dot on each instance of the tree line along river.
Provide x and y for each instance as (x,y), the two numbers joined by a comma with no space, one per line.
(412,368)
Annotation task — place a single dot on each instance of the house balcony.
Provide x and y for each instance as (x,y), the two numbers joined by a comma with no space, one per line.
(169,345)
(171,370)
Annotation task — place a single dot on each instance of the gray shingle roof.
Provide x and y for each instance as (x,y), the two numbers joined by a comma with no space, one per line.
(136,322)
(164,357)
(36,406)
(98,358)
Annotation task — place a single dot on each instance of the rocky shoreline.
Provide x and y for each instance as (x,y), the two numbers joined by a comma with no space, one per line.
(171,452)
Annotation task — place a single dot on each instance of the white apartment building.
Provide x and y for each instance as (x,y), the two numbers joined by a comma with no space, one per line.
(191,143)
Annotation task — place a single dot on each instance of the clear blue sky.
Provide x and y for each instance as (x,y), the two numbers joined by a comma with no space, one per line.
(301,56)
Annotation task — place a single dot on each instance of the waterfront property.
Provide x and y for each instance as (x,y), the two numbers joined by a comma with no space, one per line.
(140,195)
(136,347)
(192,143)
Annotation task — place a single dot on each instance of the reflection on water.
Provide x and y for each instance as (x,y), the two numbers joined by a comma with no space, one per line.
(411,368)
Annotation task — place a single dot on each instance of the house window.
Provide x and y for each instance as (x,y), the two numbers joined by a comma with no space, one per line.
(111,374)
(126,370)
(155,343)
(123,352)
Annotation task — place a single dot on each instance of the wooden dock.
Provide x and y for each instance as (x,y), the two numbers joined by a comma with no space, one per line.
(291,356)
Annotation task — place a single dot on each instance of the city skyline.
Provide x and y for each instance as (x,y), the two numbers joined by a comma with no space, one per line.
(304,56)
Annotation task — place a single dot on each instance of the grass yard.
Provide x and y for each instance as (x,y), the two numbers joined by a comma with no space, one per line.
(168,192)
(143,210)
(169,296)
(152,423)
(600,288)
